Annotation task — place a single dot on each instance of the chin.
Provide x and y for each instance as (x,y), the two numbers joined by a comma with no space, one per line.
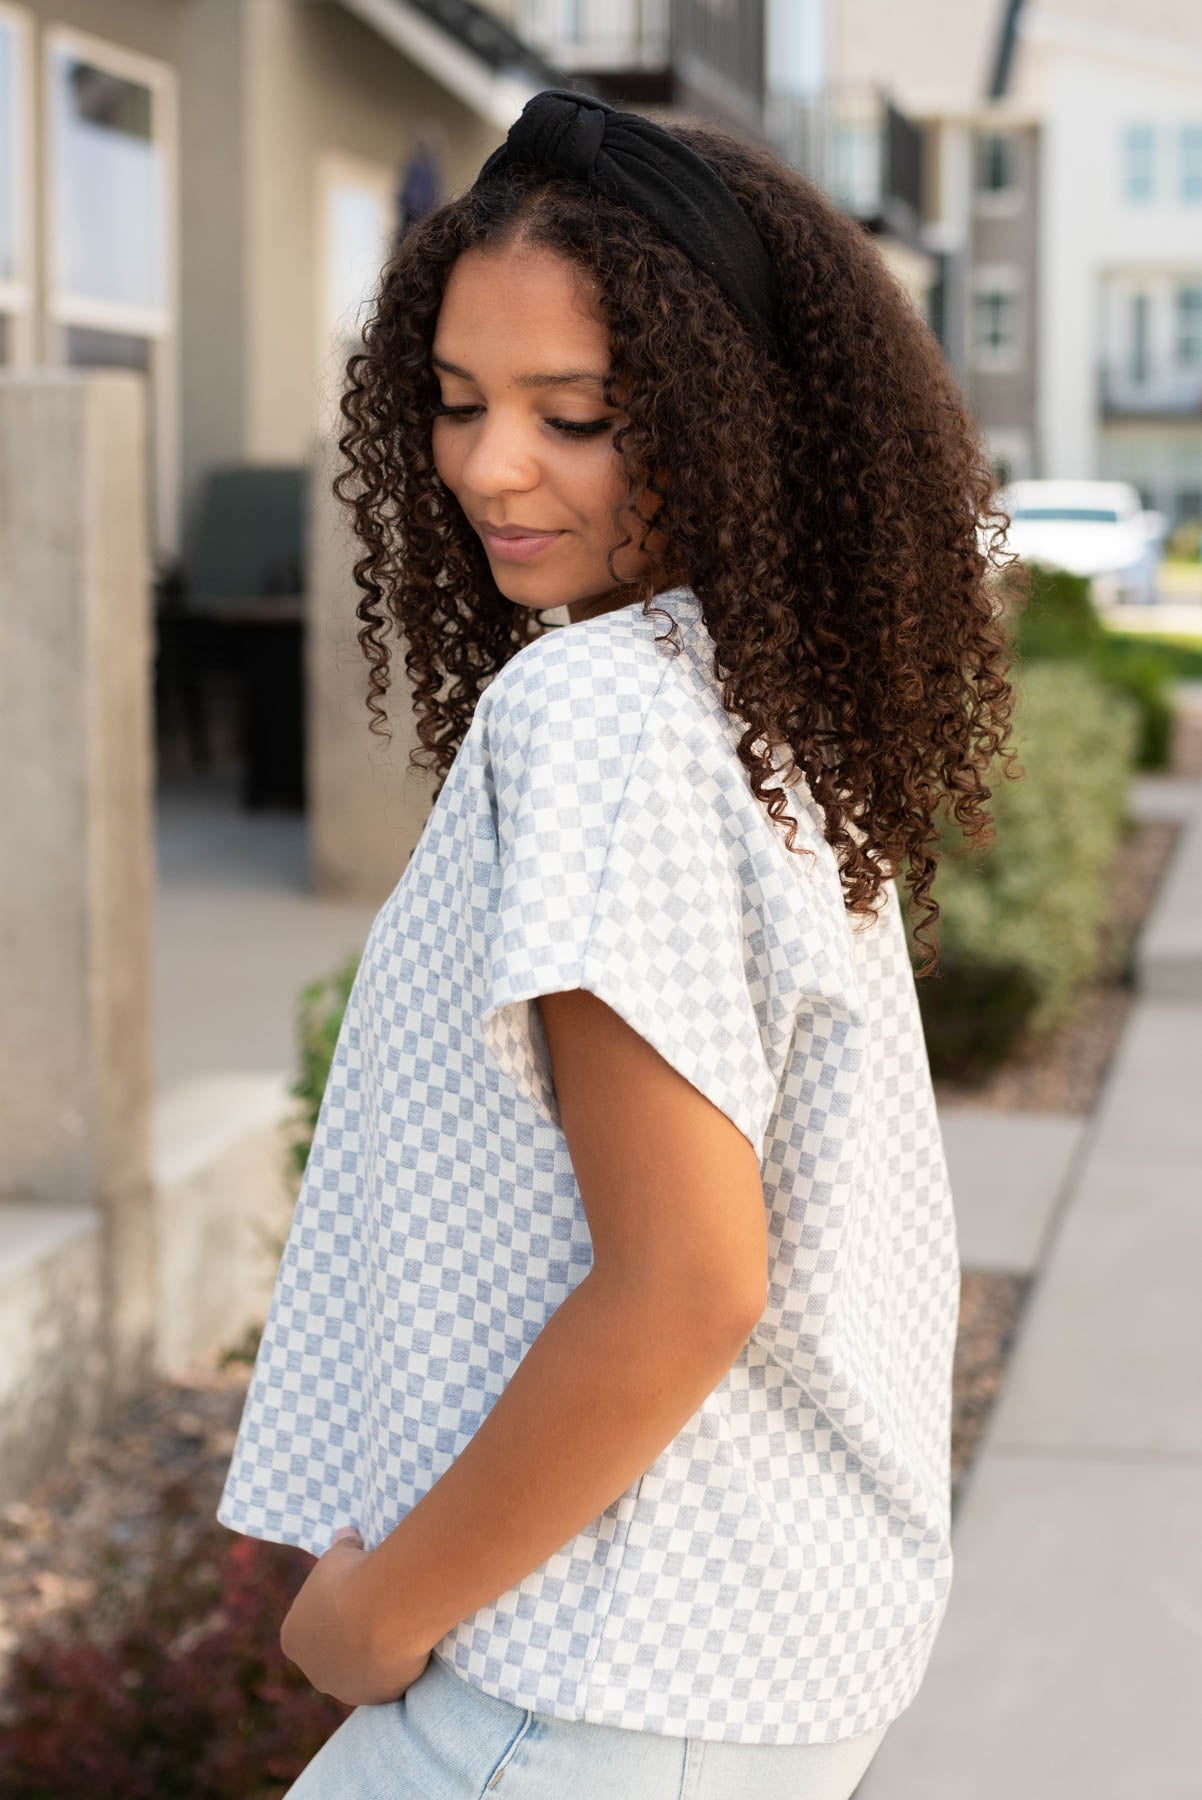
(535,593)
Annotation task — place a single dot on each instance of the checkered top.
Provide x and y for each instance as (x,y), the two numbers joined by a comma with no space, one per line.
(779,1573)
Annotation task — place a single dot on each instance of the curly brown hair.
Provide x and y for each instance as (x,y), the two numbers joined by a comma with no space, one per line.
(830,509)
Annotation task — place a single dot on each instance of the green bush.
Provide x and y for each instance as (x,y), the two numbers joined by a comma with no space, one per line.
(320,1009)
(1179,656)
(1146,678)
(1061,623)
(1060,619)
(319,1019)
(1020,922)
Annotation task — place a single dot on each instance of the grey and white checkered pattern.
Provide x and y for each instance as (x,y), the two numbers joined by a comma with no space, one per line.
(779,1573)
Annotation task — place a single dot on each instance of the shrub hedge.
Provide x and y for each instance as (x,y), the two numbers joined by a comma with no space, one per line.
(191,1698)
(1060,622)
(1021,918)
(319,1017)
(1181,655)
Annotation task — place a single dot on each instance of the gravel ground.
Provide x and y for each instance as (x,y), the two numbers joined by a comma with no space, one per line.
(991,1306)
(85,1536)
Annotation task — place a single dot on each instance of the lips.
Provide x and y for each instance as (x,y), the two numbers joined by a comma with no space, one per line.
(514,546)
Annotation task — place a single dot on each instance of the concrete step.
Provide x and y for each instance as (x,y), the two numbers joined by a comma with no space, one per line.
(224,1193)
(52,1371)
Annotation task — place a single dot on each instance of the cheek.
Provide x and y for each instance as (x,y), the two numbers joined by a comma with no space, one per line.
(599,484)
(442,452)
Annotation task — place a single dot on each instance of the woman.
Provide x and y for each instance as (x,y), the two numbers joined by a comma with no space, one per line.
(608,1369)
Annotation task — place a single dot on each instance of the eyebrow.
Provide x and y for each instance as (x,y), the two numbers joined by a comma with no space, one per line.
(564,378)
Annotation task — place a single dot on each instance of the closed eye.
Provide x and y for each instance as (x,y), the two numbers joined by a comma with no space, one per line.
(569,427)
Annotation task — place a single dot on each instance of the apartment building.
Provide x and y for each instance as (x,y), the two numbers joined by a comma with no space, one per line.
(1120,242)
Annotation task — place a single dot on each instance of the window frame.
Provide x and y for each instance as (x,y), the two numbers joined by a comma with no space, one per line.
(1147,129)
(158,325)
(1139,336)
(1003,279)
(1189,148)
(17,291)
(1000,202)
(1187,329)
(331,169)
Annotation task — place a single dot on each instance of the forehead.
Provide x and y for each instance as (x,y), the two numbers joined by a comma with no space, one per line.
(515,300)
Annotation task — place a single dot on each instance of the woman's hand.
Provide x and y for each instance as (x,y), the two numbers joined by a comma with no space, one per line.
(328,1633)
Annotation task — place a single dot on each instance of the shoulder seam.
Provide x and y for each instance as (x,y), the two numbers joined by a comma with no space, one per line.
(495,692)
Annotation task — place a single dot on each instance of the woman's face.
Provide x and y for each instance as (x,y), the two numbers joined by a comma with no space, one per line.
(529,440)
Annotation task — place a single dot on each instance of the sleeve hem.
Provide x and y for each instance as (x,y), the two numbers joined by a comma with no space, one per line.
(751,1117)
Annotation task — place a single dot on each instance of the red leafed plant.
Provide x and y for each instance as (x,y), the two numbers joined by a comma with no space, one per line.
(189,1698)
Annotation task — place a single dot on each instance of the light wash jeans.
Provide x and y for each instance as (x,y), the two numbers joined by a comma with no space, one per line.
(447,1740)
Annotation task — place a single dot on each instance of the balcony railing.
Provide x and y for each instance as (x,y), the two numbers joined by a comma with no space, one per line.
(1160,391)
(862,149)
(598,34)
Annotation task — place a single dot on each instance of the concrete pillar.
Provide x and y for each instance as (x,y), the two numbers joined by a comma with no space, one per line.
(75,785)
(366,807)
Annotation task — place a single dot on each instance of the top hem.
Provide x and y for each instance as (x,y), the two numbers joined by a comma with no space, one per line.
(590,1713)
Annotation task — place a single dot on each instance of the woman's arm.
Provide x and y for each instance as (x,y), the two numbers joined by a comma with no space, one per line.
(675,1207)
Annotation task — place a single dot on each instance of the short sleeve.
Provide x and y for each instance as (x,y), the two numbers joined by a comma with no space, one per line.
(618,870)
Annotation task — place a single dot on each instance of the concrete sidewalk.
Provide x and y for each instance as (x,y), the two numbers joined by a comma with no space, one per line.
(238,933)
(1069,1663)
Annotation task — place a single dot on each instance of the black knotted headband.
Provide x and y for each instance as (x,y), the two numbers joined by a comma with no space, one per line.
(627,157)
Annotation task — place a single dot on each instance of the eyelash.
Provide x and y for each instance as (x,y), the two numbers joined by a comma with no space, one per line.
(570,427)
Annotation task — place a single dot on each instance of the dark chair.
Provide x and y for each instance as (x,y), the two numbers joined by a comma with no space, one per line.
(248,539)
(240,601)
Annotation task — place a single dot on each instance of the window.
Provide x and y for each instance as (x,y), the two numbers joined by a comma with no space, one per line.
(1191,165)
(856,166)
(1189,326)
(90,349)
(1139,162)
(996,163)
(110,180)
(1074,515)
(995,319)
(358,221)
(108,189)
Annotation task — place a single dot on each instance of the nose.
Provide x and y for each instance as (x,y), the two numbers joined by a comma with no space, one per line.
(501,456)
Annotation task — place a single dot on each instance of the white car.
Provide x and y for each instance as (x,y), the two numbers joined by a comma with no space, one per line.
(1094,528)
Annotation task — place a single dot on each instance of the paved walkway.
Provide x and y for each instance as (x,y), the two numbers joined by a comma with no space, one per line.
(238,933)
(1069,1663)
